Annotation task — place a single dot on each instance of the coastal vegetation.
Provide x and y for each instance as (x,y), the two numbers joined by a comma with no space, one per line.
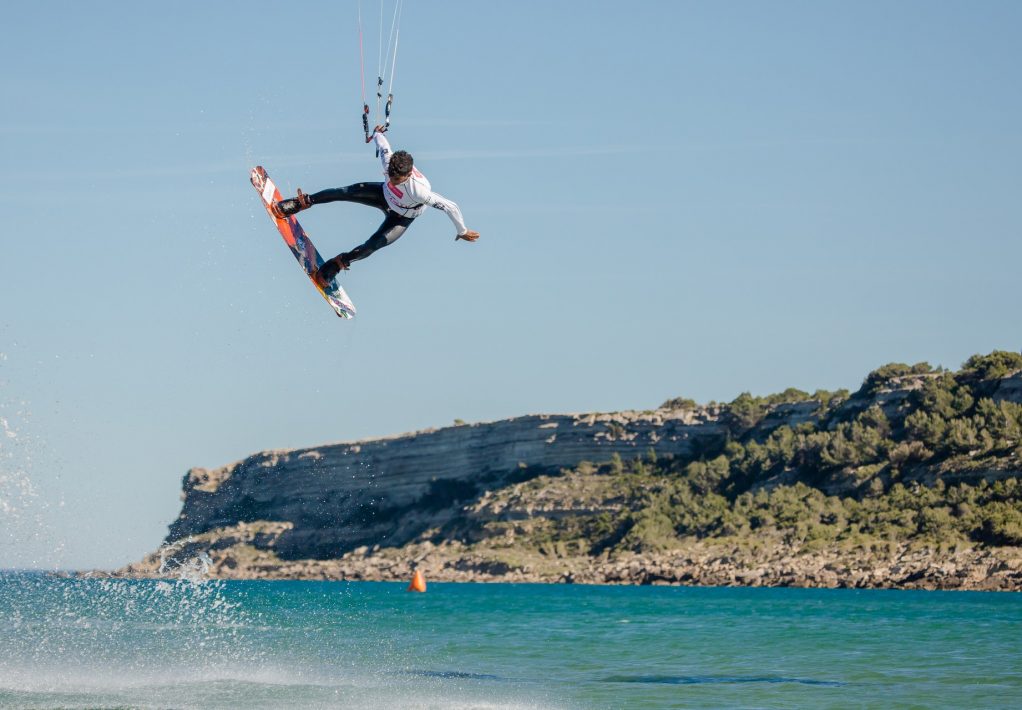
(917,456)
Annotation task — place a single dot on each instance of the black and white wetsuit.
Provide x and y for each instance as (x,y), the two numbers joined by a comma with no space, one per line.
(400,203)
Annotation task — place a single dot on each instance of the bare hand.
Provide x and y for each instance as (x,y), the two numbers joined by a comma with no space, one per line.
(468,236)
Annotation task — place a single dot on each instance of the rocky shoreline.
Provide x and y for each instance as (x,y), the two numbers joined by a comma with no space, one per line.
(698,563)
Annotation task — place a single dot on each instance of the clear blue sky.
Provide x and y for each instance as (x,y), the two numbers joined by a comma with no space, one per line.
(675,198)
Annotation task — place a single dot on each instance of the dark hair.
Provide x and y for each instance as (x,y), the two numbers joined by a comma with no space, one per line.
(400,164)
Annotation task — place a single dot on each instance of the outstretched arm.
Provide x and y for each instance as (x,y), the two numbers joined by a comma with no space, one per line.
(441,203)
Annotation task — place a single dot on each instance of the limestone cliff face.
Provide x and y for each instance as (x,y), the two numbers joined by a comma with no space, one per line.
(372,509)
(388,490)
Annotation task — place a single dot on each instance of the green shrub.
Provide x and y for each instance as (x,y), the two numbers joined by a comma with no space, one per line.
(1001,524)
(680,403)
(1003,421)
(707,476)
(999,363)
(746,410)
(926,427)
(651,531)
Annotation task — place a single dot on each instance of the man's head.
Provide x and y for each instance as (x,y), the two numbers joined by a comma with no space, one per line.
(400,166)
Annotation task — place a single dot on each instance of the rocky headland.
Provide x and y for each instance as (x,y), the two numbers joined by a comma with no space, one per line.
(910,482)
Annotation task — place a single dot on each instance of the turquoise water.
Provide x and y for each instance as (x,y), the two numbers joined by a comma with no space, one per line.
(117,643)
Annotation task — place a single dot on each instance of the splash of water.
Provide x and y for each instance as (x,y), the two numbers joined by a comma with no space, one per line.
(103,632)
(18,495)
(192,569)
(27,509)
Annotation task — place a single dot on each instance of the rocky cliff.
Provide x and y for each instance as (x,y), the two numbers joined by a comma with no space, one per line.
(568,497)
(386,491)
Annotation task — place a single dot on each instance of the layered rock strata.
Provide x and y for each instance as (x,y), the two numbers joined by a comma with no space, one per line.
(388,490)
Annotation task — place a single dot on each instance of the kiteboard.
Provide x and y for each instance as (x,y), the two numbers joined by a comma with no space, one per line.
(301,246)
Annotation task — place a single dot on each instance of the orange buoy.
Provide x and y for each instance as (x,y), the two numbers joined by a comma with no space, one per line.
(418,582)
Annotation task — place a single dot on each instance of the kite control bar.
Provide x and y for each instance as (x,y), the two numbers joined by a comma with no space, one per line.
(379,129)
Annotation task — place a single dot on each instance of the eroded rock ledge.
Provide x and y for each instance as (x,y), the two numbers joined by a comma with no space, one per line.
(490,501)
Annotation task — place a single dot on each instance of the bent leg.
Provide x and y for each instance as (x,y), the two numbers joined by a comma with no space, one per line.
(388,233)
(364,193)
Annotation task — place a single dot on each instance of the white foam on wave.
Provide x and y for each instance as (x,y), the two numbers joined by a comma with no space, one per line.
(195,643)
(231,686)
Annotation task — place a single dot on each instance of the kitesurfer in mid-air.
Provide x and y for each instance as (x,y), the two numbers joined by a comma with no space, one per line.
(402,198)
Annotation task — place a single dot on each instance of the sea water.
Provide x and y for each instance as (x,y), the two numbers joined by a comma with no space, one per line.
(77,643)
